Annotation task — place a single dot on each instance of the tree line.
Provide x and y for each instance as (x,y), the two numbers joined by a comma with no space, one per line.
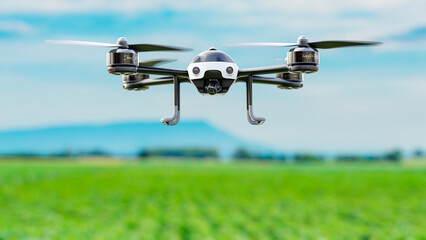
(239,154)
(243,154)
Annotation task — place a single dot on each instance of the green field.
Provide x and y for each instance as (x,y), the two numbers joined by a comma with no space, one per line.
(208,200)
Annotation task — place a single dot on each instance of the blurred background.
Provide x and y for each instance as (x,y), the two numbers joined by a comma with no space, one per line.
(363,99)
(364,104)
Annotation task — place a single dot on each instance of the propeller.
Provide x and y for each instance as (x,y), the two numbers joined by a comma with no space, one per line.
(154,62)
(122,43)
(302,41)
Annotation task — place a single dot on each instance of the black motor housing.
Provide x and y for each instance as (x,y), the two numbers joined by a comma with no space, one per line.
(290,76)
(294,80)
(303,60)
(131,82)
(135,77)
(122,61)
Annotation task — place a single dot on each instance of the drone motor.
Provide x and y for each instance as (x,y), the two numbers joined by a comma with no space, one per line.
(135,77)
(303,59)
(130,82)
(291,77)
(294,77)
(122,61)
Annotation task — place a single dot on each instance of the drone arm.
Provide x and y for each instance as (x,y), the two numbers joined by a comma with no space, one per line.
(272,81)
(171,121)
(162,71)
(262,70)
(145,83)
(250,116)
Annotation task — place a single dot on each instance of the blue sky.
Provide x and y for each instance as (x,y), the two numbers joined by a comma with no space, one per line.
(362,99)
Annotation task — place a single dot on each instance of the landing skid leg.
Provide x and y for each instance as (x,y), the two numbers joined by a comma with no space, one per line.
(250,116)
(171,121)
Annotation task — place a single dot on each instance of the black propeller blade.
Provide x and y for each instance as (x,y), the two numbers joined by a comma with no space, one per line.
(339,44)
(156,47)
(302,41)
(122,43)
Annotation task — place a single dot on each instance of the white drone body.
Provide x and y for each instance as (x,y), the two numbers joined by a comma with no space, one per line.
(213,72)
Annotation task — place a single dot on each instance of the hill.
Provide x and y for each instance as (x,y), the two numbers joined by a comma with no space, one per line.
(120,139)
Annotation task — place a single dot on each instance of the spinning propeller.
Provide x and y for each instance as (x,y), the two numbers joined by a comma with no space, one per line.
(155,62)
(302,41)
(122,43)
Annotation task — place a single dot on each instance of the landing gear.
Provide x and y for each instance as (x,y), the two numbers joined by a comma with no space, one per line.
(250,116)
(171,121)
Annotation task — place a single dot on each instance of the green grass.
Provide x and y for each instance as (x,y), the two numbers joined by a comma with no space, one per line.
(174,200)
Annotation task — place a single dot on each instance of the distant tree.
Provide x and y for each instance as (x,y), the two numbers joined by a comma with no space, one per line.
(281,157)
(180,153)
(265,157)
(242,153)
(144,154)
(65,153)
(95,153)
(307,157)
(393,156)
(356,158)
(372,157)
(199,153)
(348,158)
(418,153)
(24,155)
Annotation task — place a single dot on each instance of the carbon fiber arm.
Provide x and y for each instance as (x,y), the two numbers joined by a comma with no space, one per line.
(145,83)
(282,83)
(163,71)
(262,70)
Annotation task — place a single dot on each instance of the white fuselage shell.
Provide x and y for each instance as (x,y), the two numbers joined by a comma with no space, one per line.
(207,66)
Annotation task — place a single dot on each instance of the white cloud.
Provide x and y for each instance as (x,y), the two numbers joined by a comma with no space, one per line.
(16,27)
(329,6)
(320,19)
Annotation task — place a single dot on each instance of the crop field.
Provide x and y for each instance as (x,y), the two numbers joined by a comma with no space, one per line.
(207,200)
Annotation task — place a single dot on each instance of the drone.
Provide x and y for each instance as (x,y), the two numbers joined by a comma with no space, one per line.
(212,72)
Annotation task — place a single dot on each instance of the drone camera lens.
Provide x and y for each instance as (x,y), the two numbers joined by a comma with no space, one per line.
(196,70)
(229,70)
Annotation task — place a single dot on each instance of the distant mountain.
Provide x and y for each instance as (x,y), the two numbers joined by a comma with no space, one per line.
(120,139)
